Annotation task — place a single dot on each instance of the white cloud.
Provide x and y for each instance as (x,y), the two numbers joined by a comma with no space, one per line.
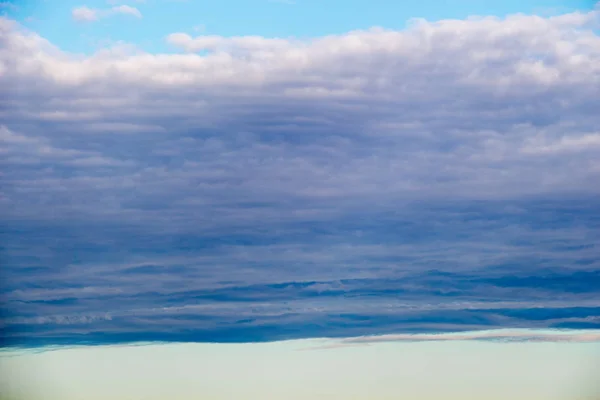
(128,10)
(86,14)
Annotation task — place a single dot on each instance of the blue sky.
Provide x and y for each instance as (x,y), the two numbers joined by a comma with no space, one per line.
(275,18)
(238,185)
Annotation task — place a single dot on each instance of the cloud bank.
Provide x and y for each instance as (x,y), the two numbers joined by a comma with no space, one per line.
(440,178)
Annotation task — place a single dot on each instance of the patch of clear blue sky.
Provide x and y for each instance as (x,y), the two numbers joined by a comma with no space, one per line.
(270,18)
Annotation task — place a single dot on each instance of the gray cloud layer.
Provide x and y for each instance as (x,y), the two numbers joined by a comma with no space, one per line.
(137,185)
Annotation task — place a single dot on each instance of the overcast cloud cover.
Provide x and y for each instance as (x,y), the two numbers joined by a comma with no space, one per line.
(441,178)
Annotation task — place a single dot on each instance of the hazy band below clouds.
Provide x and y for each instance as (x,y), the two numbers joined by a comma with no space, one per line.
(456,370)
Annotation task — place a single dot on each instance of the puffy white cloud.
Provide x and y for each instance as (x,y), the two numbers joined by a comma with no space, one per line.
(125,9)
(86,14)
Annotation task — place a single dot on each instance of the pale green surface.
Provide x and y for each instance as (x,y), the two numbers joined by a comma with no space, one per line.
(465,370)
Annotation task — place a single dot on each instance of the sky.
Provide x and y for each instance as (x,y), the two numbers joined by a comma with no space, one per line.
(255,172)
(86,26)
